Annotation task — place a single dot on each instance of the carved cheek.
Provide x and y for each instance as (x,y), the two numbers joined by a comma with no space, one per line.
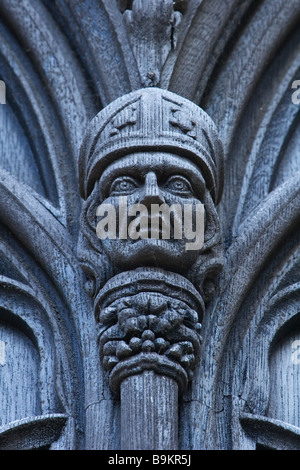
(135,197)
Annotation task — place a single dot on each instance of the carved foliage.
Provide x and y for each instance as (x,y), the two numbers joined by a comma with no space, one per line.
(149,327)
(151,27)
(150,323)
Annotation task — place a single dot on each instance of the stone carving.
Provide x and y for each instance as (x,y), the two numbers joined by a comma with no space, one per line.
(179,5)
(152,323)
(151,147)
(128,118)
(152,30)
(240,65)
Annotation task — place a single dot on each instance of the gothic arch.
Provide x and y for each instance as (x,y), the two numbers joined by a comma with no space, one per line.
(63,61)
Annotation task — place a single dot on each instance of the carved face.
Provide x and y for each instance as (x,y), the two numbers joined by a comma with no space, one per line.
(138,185)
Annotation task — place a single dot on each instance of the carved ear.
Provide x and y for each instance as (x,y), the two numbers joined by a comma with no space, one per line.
(210,262)
(93,260)
(95,265)
(212,233)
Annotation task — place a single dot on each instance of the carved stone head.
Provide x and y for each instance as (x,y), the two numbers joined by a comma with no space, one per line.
(152,150)
(151,176)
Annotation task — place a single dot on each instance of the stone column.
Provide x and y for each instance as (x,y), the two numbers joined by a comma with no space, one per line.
(149,342)
(149,280)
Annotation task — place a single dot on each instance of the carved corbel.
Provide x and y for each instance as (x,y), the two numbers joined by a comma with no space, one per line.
(152,31)
(150,148)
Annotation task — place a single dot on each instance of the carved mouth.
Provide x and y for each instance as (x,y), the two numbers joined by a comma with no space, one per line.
(157,229)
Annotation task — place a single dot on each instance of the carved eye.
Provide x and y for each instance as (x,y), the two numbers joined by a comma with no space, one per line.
(179,185)
(123,185)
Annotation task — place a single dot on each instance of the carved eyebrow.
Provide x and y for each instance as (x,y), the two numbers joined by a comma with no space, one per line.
(121,179)
(178,177)
(137,170)
(108,178)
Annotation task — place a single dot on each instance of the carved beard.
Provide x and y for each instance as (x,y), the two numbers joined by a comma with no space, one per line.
(100,267)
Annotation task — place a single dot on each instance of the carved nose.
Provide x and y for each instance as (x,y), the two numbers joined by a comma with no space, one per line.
(151,194)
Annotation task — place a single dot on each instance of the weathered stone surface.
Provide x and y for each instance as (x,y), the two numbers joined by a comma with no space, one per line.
(62,61)
(159,150)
